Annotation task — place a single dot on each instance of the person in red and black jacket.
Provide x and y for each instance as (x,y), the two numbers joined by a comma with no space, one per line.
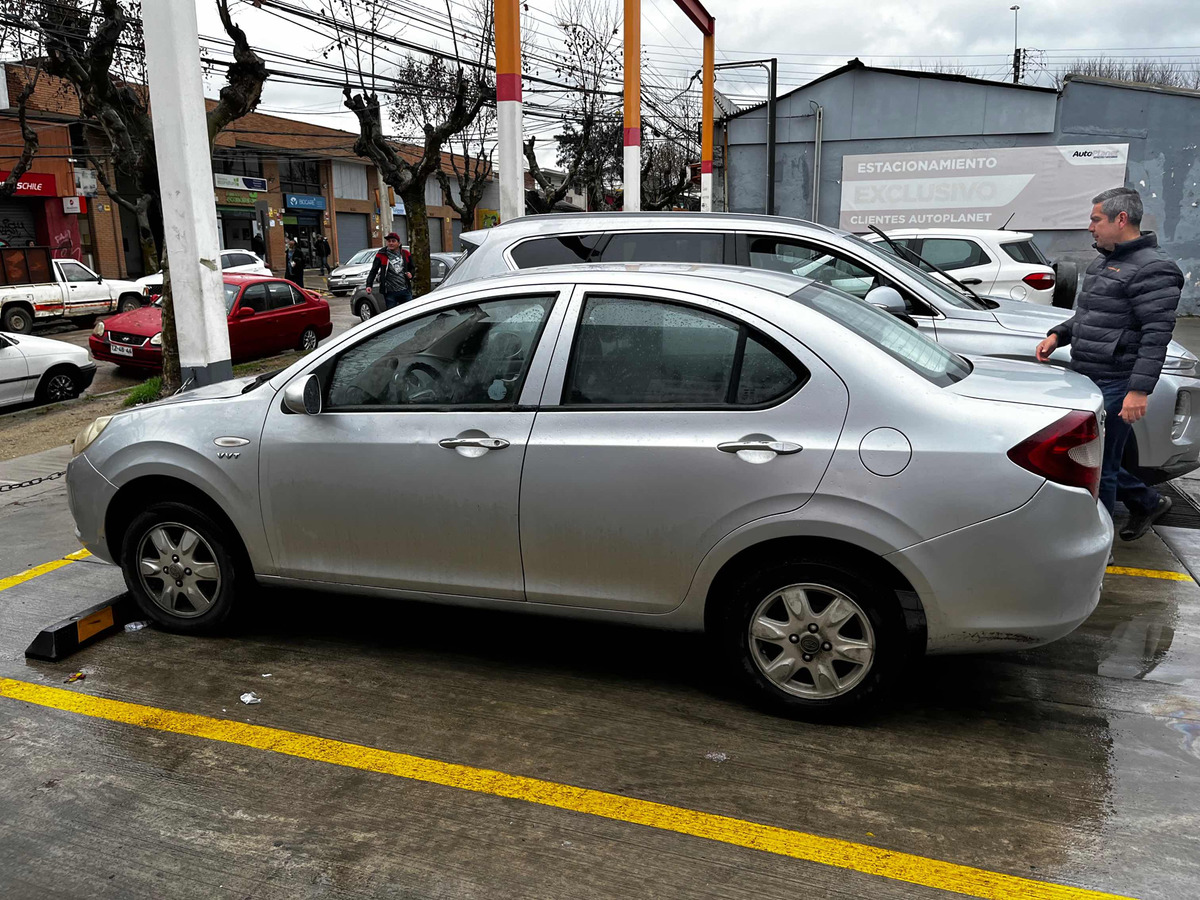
(393,266)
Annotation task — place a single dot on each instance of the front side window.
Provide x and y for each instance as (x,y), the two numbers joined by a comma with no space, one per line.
(953,253)
(900,341)
(473,355)
(254,297)
(811,261)
(646,353)
(74,272)
(564,250)
(665,246)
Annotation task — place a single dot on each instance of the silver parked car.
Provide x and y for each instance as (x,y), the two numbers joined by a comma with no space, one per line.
(817,485)
(352,279)
(1166,442)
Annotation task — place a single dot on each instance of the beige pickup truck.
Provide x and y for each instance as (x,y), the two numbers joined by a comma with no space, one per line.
(36,287)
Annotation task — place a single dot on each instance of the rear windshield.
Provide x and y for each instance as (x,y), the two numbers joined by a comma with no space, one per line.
(1025,252)
(895,338)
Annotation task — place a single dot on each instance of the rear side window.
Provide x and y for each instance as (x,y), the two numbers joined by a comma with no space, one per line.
(563,250)
(280,295)
(666,246)
(1025,252)
(645,353)
(953,253)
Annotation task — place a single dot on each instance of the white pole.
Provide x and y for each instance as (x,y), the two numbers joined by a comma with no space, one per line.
(508,109)
(186,184)
(386,222)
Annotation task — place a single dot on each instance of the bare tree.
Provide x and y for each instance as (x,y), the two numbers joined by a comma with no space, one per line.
(442,98)
(472,169)
(29,137)
(1162,72)
(97,50)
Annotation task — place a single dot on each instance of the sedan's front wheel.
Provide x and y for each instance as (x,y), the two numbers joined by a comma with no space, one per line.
(365,310)
(812,639)
(181,567)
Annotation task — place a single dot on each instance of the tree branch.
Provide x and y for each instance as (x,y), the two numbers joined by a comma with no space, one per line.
(244,79)
(28,135)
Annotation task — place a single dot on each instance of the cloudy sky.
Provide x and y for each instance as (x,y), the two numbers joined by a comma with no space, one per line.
(808,37)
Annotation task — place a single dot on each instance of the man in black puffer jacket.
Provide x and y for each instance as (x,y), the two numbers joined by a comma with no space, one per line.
(1119,335)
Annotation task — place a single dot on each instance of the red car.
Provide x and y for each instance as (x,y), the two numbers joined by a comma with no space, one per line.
(266,316)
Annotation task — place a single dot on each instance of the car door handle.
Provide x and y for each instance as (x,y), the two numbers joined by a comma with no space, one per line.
(487,443)
(783,448)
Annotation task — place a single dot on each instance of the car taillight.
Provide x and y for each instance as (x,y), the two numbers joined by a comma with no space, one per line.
(1039,281)
(1069,451)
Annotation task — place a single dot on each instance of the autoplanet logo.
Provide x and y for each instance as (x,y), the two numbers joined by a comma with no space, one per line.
(1095,154)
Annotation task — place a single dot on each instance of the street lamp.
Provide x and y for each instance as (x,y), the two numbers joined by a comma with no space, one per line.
(1016,11)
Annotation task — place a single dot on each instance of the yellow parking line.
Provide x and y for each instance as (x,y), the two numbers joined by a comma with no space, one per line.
(1148,573)
(20,577)
(889,864)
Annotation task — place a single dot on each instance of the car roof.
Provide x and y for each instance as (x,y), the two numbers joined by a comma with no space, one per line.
(982,233)
(679,276)
(556,223)
(248,277)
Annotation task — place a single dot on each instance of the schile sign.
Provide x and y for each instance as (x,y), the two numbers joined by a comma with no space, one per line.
(1040,188)
(33,184)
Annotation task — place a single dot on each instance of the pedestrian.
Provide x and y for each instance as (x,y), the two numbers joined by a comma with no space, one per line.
(297,261)
(323,251)
(1118,336)
(258,246)
(394,267)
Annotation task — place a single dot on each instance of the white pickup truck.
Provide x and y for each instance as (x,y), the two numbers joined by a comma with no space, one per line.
(33,286)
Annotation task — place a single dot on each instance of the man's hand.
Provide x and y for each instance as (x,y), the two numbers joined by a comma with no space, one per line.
(1134,406)
(1046,347)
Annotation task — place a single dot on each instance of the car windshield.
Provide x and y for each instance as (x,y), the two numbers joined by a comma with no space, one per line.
(362,256)
(231,292)
(944,291)
(898,340)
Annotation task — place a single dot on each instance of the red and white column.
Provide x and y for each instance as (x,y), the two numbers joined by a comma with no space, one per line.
(508,109)
(633,105)
(706,127)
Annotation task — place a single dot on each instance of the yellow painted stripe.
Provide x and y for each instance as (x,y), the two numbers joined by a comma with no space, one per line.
(737,832)
(1149,573)
(21,577)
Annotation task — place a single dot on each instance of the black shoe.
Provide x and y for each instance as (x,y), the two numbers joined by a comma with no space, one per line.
(1139,523)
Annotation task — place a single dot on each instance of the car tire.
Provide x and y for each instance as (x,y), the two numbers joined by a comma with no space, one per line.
(1066,282)
(16,320)
(308,340)
(58,384)
(165,538)
(129,302)
(364,309)
(769,618)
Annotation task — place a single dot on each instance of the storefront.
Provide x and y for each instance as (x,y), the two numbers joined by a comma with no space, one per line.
(23,215)
(238,223)
(303,217)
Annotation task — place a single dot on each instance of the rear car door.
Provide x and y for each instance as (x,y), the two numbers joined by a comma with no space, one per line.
(286,311)
(409,478)
(86,295)
(668,421)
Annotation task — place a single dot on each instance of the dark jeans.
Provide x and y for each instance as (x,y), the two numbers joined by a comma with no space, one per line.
(324,264)
(1115,482)
(392,299)
(298,275)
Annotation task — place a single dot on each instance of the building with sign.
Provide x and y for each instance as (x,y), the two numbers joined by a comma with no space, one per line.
(273,178)
(864,146)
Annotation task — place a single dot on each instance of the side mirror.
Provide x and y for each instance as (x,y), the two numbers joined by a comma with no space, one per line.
(888,299)
(99,279)
(244,312)
(303,395)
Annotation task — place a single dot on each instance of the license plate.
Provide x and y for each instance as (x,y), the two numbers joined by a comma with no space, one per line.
(120,350)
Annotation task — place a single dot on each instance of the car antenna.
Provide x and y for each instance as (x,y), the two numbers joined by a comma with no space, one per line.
(913,253)
(1009,219)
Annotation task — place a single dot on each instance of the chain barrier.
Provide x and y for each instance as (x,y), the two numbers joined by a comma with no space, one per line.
(5,488)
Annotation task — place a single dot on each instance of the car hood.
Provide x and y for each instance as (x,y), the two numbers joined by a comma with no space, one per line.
(361,269)
(121,286)
(1031,319)
(37,347)
(1037,384)
(222,389)
(153,280)
(146,322)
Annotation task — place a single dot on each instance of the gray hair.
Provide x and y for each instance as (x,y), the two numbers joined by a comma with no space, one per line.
(1120,200)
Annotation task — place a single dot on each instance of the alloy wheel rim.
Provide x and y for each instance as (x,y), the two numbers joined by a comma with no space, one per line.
(310,340)
(178,570)
(61,387)
(812,641)
(364,311)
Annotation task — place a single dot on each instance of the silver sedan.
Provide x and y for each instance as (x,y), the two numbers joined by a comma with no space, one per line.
(820,487)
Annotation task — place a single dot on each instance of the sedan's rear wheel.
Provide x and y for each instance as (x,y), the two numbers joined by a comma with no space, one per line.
(365,309)
(181,567)
(309,340)
(16,320)
(812,639)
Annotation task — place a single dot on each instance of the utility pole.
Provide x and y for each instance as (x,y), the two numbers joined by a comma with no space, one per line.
(633,106)
(185,180)
(1016,11)
(508,109)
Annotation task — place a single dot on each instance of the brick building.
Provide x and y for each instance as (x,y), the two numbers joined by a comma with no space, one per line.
(273,178)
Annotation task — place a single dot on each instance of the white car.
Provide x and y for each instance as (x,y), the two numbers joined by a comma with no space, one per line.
(41,369)
(239,261)
(1006,264)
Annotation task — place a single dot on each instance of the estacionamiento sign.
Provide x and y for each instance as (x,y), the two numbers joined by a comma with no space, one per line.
(1029,188)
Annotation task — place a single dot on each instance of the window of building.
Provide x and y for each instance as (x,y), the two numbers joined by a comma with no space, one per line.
(232,161)
(349,181)
(300,176)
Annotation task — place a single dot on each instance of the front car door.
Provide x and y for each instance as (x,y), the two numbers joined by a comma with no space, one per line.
(652,442)
(85,295)
(409,478)
(15,383)
(251,336)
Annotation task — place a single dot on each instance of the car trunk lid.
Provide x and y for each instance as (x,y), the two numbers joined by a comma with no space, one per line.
(1030,383)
